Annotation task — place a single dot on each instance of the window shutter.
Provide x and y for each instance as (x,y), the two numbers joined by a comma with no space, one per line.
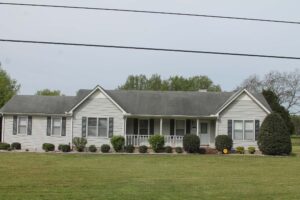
(135,126)
(172,123)
(15,125)
(151,126)
(83,128)
(63,126)
(256,129)
(188,126)
(29,127)
(48,126)
(111,127)
(229,126)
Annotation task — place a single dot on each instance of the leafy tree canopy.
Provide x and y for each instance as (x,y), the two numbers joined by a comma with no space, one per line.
(174,83)
(48,92)
(8,87)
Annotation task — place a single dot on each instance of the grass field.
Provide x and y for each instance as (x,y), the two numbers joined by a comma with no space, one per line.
(142,177)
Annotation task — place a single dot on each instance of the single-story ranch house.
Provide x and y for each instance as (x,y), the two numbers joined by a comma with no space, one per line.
(99,114)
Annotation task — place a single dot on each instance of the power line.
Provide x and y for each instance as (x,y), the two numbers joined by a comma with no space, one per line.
(152,12)
(150,49)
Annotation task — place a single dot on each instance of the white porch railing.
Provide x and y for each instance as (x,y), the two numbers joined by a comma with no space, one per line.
(138,140)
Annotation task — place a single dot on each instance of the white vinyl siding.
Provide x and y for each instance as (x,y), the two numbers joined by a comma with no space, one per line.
(22,125)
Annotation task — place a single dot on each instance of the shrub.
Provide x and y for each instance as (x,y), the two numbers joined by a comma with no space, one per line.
(79,143)
(191,143)
(240,150)
(129,148)
(4,146)
(118,143)
(157,143)
(251,150)
(16,145)
(202,150)
(178,150)
(105,148)
(64,147)
(168,149)
(223,142)
(274,138)
(93,148)
(48,147)
(143,149)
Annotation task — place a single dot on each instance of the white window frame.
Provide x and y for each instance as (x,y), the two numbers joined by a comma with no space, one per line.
(175,126)
(18,124)
(97,127)
(107,127)
(243,122)
(148,132)
(53,124)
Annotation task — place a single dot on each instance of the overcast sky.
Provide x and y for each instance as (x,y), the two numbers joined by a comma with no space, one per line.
(71,68)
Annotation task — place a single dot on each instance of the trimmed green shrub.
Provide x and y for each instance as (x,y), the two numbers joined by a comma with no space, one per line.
(16,145)
(223,142)
(274,138)
(168,149)
(191,143)
(143,149)
(157,143)
(105,148)
(4,146)
(79,143)
(64,148)
(240,150)
(202,150)
(129,149)
(92,148)
(118,143)
(251,150)
(48,147)
(178,150)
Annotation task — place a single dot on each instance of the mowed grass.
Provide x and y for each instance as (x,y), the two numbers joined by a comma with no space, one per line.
(144,177)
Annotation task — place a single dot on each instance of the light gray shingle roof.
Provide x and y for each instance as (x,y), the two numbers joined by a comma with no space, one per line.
(133,102)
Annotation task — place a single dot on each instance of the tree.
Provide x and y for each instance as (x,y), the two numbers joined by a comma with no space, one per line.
(286,85)
(173,83)
(274,138)
(48,92)
(273,101)
(8,87)
(296,122)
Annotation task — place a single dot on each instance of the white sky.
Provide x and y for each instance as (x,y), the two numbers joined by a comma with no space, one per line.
(71,68)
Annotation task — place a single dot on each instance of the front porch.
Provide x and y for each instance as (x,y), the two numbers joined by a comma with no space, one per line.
(139,129)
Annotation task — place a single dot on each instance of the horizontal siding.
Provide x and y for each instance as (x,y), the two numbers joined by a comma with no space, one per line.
(242,108)
(34,142)
(98,106)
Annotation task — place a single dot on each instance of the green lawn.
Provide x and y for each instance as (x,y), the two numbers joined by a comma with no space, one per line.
(76,176)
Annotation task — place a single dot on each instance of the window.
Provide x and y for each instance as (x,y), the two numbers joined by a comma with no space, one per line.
(238,130)
(243,130)
(22,125)
(204,128)
(143,124)
(92,127)
(180,127)
(249,130)
(102,127)
(56,126)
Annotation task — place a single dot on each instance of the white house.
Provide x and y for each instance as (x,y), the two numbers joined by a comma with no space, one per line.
(99,114)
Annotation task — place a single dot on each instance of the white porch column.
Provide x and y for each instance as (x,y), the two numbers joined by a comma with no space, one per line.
(216,128)
(125,130)
(197,127)
(160,126)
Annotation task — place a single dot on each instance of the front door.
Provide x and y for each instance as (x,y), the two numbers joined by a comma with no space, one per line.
(204,133)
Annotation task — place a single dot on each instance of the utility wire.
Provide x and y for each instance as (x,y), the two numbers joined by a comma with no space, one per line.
(150,49)
(152,12)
